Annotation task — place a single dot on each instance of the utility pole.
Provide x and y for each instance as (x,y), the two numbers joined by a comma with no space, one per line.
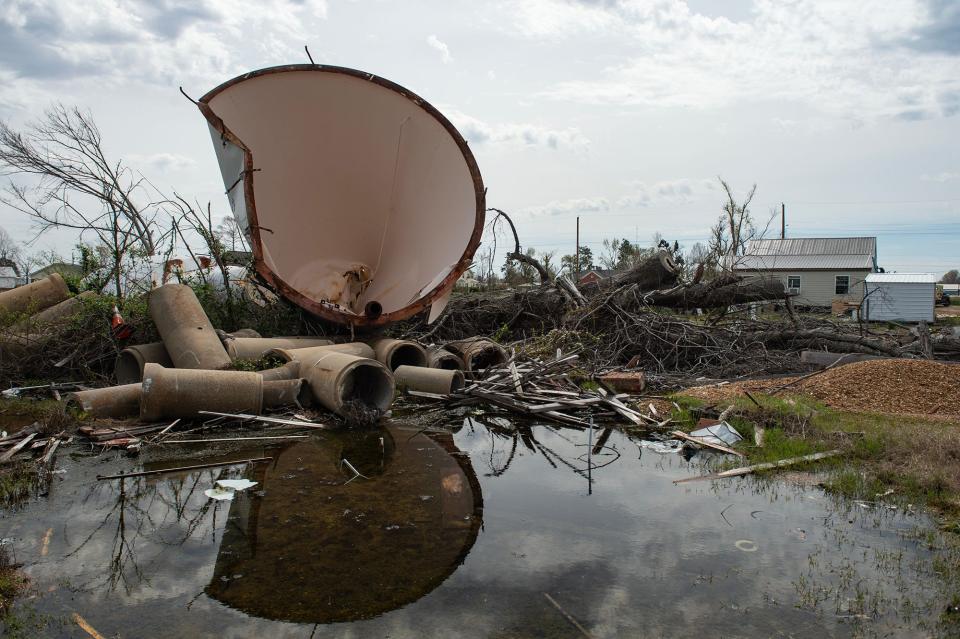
(783,221)
(577,253)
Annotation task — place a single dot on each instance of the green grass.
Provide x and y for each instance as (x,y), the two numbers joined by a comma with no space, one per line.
(915,457)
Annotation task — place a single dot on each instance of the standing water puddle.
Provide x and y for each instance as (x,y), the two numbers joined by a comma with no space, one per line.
(465,534)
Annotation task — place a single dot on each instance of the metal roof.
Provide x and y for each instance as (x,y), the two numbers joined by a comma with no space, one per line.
(803,262)
(814,246)
(899,278)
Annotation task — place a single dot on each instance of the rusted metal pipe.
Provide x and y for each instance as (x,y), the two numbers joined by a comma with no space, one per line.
(35,296)
(256,348)
(340,381)
(357,349)
(428,380)
(290,370)
(131,360)
(186,330)
(478,353)
(283,392)
(117,402)
(398,352)
(181,392)
(442,358)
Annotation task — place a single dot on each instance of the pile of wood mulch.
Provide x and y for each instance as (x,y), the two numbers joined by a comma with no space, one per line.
(894,386)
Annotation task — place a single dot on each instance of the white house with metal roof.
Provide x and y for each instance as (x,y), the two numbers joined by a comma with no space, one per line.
(818,271)
(904,297)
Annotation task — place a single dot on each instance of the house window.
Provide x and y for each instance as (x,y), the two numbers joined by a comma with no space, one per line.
(842,285)
(793,283)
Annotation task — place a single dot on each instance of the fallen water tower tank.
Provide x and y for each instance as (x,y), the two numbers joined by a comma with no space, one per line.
(362,203)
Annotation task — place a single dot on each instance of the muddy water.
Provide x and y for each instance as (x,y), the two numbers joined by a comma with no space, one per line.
(463,534)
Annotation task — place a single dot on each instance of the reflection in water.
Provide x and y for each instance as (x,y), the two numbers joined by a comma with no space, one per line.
(314,549)
(592,519)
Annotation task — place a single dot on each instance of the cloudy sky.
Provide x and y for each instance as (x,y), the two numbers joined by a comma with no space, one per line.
(623,113)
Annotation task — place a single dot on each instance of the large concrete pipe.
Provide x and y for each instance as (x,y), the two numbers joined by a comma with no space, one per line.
(442,358)
(357,349)
(179,392)
(398,352)
(245,333)
(290,370)
(132,359)
(256,348)
(342,382)
(479,353)
(185,329)
(35,296)
(117,402)
(60,311)
(428,380)
(284,392)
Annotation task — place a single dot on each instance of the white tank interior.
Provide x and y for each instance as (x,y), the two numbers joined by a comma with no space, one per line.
(366,195)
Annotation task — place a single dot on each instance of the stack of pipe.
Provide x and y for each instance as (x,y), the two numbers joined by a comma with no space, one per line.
(186,372)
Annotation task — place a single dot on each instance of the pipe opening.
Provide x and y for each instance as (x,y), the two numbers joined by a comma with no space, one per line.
(367,385)
(457,382)
(407,355)
(373,309)
(487,357)
(449,363)
(128,368)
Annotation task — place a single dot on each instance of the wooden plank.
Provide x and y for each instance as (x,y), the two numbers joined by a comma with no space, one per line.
(178,469)
(679,434)
(16,449)
(230,439)
(746,470)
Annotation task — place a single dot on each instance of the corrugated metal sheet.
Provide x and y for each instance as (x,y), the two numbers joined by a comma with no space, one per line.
(814,246)
(909,278)
(900,301)
(800,262)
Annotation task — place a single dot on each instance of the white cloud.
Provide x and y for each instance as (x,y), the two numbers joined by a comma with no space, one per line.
(564,207)
(524,134)
(435,43)
(162,162)
(678,191)
(849,59)
(166,42)
(943,176)
(641,195)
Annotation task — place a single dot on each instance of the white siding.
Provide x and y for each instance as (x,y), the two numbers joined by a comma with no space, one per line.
(900,301)
(818,288)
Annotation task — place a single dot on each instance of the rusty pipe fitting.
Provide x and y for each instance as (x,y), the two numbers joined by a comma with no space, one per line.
(257,348)
(442,358)
(338,380)
(479,353)
(35,296)
(398,352)
(357,349)
(132,359)
(182,392)
(117,402)
(428,380)
(186,330)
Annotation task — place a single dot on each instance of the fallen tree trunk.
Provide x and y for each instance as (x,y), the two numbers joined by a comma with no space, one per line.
(726,290)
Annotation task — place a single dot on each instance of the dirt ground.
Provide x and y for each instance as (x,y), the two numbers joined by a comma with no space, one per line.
(896,387)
